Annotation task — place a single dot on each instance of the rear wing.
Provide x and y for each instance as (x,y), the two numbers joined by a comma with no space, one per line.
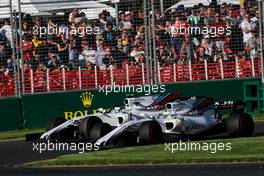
(236,106)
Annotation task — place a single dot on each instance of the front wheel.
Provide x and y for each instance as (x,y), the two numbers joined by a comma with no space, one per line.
(150,133)
(98,130)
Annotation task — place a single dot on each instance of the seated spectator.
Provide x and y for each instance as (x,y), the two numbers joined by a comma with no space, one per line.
(125,41)
(53,63)
(227,44)
(102,56)
(88,54)
(164,56)
(207,45)
(136,52)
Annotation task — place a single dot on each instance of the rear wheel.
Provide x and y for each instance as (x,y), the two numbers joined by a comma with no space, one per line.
(240,124)
(98,130)
(150,133)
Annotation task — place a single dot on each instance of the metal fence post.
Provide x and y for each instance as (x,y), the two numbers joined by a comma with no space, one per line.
(237,68)
(127,75)
(143,73)
(48,80)
(158,70)
(95,77)
(221,68)
(253,67)
(190,70)
(63,79)
(174,72)
(20,48)
(80,77)
(112,76)
(205,69)
(31,81)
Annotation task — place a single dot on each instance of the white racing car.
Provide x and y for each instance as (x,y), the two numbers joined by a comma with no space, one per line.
(93,127)
(154,119)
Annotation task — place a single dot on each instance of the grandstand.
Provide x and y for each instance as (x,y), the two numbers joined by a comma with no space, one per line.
(71,48)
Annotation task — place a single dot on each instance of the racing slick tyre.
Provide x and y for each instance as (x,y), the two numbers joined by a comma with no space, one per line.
(240,125)
(64,134)
(150,133)
(98,130)
(86,125)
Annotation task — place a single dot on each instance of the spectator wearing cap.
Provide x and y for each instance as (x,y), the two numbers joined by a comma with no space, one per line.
(110,36)
(127,25)
(88,55)
(227,44)
(53,63)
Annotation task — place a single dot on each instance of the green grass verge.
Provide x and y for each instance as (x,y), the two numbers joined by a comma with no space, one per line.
(243,150)
(258,116)
(18,133)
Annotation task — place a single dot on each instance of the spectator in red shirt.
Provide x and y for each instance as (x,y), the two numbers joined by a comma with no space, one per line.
(27,47)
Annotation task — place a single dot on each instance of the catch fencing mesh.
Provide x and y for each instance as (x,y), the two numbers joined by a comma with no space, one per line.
(64,45)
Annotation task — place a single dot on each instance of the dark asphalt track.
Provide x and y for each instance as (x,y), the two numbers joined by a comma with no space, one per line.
(18,151)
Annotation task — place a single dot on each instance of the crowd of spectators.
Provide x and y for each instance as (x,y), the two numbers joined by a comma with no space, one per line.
(110,45)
